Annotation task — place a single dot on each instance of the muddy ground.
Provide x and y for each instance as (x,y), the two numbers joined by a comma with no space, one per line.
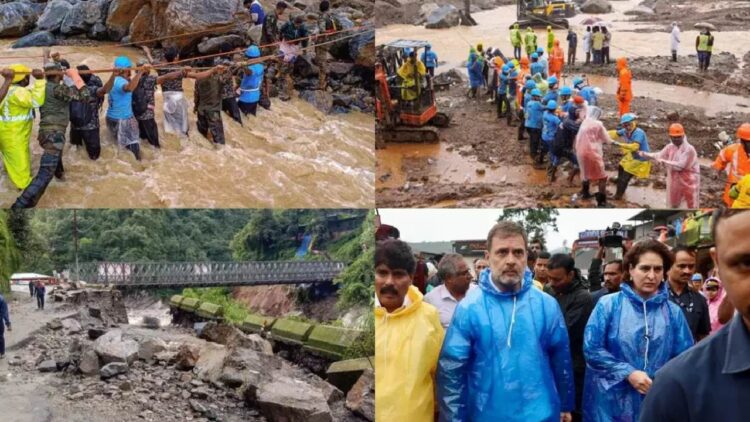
(727,15)
(388,12)
(476,136)
(724,75)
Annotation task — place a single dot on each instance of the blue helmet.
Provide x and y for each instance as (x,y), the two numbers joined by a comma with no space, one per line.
(566,90)
(577,81)
(552,105)
(534,56)
(530,84)
(428,46)
(552,80)
(252,52)
(627,118)
(407,51)
(506,68)
(536,92)
(123,62)
(514,74)
(540,50)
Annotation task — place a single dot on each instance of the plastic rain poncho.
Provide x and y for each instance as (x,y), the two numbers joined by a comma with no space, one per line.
(16,122)
(683,173)
(626,333)
(713,306)
(175,113)
(588,145)
(541,83)
(407,344)
(506,357)
(474,67)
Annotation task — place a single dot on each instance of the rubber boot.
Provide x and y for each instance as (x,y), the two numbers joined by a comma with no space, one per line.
(622,185)
(601,200)
(586,190)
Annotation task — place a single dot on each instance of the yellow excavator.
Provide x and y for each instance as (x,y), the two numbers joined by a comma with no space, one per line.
(537,13)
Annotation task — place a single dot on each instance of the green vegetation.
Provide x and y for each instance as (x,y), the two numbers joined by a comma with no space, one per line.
(535,221)
(357,281)
(234,312)
(9,254)
(365,345)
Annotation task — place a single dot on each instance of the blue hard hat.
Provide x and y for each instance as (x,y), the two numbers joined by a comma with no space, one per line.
(577,81)
(534,56)
(536,92)
(122,62)
(530,84)
(252,51)
(428,46)
(407,51)
(627,118)
(540,50)
(506,69)
(552,80)
(552,105)
(514,74)
(566,90)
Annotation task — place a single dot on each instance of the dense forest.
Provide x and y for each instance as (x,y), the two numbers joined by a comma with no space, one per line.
(43,240)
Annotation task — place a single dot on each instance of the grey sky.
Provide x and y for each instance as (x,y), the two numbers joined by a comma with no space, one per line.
(432,225)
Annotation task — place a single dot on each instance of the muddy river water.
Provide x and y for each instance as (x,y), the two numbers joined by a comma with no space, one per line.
(291,156)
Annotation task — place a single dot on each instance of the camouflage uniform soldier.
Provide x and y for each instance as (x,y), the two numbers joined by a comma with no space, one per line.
(291,31)
(270,35)
(208,93)
(55,115)
(326,25)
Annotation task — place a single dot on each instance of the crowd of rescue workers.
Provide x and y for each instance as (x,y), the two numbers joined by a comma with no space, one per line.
(524,336)
(66,95)
(563,122)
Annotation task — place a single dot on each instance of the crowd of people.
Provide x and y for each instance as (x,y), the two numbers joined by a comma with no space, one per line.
(563,122)
(532,339)
(73,96)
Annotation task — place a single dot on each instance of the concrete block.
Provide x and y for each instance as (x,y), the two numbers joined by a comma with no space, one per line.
(174,301)
(210,311)
(290,331)
(190,304)
(331,342)
(254,323)
(345,373)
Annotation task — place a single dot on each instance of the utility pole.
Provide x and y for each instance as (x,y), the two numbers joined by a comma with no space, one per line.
(75,242)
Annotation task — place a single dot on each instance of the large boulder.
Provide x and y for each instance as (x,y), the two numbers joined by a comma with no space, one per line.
(150,347)
(322,100)
(89,364)
(640,11)
(111,347)
(187,356)
(212,45)
(48,365)
(16,19)
(361,398)
(142,27)
(362,48)
(94,11)
(209,365)
(113,369)
(292,400)
(53,15)
(596,6)
(445,16)
(83,16)
(71,325)
(121,13)
(187,16)
(37,39)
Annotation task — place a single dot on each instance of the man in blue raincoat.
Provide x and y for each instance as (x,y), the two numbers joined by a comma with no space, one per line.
(506,355)
(474,66)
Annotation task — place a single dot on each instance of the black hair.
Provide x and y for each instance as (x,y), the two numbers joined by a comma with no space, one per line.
(531,255)
(171,53)
(544,255)
(325,5)
(246,2)
(645,246)
(683,248)
(617,262)
(64,64)
(561,260)
(396,255)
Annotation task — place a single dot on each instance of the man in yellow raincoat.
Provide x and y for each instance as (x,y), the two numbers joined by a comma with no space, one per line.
(407,341)
(632,164)
(16,121)
(741,193)
(412,72)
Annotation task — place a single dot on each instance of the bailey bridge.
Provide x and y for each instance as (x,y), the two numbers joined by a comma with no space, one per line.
(207,274)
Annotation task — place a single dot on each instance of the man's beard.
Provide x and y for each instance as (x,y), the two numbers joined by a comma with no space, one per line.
(506,282)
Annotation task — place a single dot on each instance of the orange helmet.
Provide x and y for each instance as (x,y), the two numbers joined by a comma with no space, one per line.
(622,62)
(676,129)
(524,60)
(743,132)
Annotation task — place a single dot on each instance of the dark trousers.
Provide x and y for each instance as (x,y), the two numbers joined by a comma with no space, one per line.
(535,144)
(571,56)
(521,127)
(51,166)
(674,56)
(40,301)
(502,100)
(248,108)
(431,71)
(598,57)
(2,338)
(588,57)
(517,52)
(708,60)
(210,121)
(90,139)
(605,54)
(623,179)
(229,105)
(149,131)
(136,150)
(31,289)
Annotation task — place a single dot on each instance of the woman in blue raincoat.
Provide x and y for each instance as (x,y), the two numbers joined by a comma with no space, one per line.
(630,335)
(474,66)
(505,357)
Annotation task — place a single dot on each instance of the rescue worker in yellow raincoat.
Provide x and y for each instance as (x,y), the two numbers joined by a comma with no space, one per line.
(735,161)
(408,340)
(741,193)
(16,121)
(515,40)
(632,163)
(412,72)
(550,39)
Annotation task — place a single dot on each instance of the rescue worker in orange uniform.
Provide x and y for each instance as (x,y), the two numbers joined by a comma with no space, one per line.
(625,90)
(735,161)
(556,60)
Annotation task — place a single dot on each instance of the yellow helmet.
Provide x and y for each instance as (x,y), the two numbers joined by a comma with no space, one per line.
(21,72)
(515,63)
(549,27)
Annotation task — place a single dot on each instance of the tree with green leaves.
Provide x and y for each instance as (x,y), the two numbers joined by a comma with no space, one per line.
(9,255)
(536,221)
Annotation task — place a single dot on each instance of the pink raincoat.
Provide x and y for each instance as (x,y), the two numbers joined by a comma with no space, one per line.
(713,306)
(683,174)
(588,145)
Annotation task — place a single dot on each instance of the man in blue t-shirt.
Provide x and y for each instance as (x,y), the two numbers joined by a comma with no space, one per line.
(252,83)
(430,60)
(121,121)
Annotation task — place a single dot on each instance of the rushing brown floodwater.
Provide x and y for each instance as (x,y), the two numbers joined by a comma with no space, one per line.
(291,156)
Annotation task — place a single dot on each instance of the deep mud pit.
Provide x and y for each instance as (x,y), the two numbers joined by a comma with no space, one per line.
(479,161)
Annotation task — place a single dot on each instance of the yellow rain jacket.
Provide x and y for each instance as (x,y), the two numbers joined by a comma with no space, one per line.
(410,86)
(16,122)
(741,193)
(638,168)
(407,346)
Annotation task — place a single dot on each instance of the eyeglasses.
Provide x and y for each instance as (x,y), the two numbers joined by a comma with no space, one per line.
(712,289)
